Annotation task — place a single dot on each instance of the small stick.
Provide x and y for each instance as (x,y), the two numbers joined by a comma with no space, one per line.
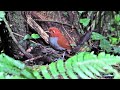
(32,59)
(38,29)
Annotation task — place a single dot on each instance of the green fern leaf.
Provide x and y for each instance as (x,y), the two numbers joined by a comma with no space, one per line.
(37,75)
(71,74)
(27,74)
(2,75)
(45,72)
(10,61)
(80,73)
(53,70)
(93,70)
(86,71)
(60,66)
(9,69)
(84,65)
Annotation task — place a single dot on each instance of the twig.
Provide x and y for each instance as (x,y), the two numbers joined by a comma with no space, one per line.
(38,28)
(18,34)
(32,59)
(28,55)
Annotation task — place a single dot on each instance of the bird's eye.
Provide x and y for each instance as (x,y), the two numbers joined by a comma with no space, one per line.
(53,31)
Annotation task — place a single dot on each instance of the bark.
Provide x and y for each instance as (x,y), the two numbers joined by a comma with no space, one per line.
(18,26)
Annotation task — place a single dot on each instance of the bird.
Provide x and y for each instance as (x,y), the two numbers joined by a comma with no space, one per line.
(57,40)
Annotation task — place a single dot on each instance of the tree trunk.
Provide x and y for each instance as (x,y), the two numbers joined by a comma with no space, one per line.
(17,23)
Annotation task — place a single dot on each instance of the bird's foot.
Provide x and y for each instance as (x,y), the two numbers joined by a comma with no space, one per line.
(62,58)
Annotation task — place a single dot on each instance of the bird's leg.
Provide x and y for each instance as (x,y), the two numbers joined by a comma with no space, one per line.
(63,55)
(61,58)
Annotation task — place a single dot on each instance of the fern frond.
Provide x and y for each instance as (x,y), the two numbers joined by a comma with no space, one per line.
(15,67)
(84,65)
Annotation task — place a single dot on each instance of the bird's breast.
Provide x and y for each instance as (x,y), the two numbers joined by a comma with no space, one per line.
(54,43)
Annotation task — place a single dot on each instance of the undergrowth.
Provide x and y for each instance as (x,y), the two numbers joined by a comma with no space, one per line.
(84,65)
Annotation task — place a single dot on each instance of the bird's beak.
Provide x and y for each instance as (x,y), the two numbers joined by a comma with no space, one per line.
(47,32)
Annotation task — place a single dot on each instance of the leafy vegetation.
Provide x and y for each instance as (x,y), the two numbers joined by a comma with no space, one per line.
(32,36)
(2,14)
(105,44)
(83,65)
(85,21)
(105,28)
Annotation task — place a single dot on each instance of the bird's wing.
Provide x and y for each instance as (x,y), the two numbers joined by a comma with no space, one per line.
(62,41)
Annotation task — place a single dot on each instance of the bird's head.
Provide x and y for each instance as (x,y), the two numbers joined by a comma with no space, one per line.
(54,32)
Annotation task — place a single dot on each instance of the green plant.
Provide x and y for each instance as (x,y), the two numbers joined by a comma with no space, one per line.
(85,21)
(2,15)
(117,19)
(116,49)
(65,13)
(27,36)
(32,36)
(16,68)
(80,12)
(114,40)
(104,43)
(35,36)
(83,65)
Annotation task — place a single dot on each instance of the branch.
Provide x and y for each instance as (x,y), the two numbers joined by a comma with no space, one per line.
(32,59)
(38,29)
